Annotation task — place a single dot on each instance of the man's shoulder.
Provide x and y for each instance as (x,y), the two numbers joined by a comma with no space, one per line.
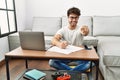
(64,28)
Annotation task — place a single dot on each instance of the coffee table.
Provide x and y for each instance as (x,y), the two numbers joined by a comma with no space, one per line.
(19,53)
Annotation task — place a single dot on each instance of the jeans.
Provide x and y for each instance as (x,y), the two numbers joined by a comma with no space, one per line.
(63,65)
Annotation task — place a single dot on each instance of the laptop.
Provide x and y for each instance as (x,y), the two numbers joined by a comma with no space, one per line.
(33,41)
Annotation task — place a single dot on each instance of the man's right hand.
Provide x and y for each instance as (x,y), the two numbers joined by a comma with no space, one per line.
(56,41)
(63,44)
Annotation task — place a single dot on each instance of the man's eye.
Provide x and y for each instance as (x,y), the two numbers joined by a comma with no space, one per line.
(73,17)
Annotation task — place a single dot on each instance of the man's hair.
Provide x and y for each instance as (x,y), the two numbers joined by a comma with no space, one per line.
(73,10)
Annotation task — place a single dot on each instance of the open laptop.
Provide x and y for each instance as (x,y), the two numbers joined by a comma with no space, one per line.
(33,41)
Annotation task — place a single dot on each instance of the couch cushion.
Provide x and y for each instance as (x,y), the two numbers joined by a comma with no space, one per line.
(106,25)
(90,40)
(109,49)
(83,20)
(48,40)
(48,25)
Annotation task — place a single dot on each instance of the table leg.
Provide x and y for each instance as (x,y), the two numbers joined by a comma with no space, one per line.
(26,63)
(90,73)
(7,68)
(90,66)
(97,68)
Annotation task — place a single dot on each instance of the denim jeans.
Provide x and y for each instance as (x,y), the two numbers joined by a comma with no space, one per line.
(63,64)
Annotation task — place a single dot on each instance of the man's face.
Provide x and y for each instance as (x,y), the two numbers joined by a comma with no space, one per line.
(73,20)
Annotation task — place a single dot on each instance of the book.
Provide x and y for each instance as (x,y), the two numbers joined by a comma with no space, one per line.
(34,74)
(29,78)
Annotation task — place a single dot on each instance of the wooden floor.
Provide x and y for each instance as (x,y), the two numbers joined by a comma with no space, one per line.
(18,66)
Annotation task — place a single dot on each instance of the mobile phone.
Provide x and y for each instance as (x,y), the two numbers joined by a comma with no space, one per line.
(87,47)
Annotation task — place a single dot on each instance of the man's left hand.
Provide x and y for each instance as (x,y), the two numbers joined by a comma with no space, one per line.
(84,30)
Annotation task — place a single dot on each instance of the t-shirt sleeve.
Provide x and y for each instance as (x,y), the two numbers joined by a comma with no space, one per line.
(61,31)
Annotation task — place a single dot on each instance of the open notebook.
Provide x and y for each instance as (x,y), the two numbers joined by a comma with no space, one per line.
(69,49)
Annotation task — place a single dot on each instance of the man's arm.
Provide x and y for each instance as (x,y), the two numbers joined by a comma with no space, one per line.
(56,41)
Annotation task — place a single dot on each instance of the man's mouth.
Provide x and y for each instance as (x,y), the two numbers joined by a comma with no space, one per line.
(73,22)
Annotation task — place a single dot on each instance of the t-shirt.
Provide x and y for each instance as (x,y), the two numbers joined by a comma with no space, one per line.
(73,37)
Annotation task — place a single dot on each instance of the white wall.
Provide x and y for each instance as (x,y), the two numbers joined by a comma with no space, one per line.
(4,47)
(27,9)
(21,14)
(59,7)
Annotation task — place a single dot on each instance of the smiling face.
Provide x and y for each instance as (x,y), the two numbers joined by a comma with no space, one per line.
(73,20)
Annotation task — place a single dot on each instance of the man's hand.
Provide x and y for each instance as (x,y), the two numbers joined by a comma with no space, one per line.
(56,41)
(63,44)
(84,30)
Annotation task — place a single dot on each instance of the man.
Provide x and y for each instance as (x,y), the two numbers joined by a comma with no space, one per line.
(70,35)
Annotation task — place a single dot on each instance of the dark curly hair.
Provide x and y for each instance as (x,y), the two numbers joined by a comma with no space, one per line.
(73,10)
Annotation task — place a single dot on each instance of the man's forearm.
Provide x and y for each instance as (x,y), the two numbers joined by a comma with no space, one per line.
(55,42)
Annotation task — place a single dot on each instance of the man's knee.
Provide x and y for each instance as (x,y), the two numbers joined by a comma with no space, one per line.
(52,62)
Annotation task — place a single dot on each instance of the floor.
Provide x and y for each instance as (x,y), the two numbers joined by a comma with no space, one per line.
(18,66)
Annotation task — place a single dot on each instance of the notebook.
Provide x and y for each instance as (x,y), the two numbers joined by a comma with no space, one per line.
(33,41)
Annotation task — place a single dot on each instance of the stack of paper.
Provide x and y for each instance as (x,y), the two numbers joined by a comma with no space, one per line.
(34,74)
(69,49)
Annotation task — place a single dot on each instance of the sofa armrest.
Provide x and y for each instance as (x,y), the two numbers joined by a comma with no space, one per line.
(14,41)
(90,40)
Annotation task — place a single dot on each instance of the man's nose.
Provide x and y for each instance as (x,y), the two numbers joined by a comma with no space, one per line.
(74,19)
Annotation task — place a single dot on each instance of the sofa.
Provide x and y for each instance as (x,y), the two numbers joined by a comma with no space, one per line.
(104,36)
(106,30)
(50,25)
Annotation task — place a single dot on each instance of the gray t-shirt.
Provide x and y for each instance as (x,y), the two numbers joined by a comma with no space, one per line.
(73,37)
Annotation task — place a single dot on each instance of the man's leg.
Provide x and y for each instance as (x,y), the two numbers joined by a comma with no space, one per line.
(82,66)
(59,64)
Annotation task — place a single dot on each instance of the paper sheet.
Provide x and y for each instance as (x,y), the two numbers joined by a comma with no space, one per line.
(69,49)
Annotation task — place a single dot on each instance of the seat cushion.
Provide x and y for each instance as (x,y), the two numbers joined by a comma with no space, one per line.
(90,40)
(48,40)
(109,49)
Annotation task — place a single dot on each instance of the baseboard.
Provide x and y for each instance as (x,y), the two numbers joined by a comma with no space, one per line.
(2,62)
